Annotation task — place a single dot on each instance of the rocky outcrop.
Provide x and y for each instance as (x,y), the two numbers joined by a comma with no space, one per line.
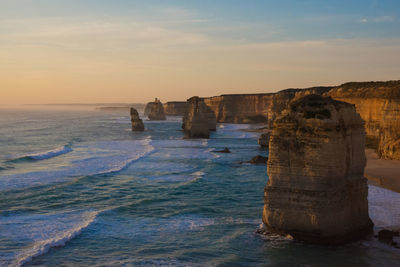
(378,103)
(263,140)
(386,236)
(316,190)
(137,123)
(258,160)
(199,119)
(175,108)
(225,150)
(280,100)
(155,111)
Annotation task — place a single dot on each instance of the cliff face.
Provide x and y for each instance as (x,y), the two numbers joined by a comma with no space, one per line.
(175,108)
(255,108)
(316,191)
(240,108)
(280,100)
(199,119)
(378,103)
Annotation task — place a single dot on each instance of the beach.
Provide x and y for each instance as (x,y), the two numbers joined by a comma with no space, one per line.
(382,172)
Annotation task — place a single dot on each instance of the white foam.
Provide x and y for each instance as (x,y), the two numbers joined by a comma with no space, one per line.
(39,233)
(229,130)
(384,207)
(199,173)
(86,159)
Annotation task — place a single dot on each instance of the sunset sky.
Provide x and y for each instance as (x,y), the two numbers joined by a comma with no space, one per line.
(86,51)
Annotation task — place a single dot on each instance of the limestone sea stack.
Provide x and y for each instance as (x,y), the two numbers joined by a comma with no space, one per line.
(316,190)
(198,119)
(155,111)
(137,123)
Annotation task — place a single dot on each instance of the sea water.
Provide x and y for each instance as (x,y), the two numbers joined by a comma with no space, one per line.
(78,187)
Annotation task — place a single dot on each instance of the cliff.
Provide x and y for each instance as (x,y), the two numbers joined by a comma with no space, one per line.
(175,108)
(250,108)
(199,119)
(316,190)
(378,103)
(256,108)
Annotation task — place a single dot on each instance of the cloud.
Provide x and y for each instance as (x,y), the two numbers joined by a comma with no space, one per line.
(84,32)
(381,19)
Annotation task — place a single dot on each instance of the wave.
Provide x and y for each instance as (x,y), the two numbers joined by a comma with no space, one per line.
(44,154)
(383,206)
(110,157)
(43,246)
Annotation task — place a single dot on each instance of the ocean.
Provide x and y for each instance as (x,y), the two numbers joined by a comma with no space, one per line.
(79,188)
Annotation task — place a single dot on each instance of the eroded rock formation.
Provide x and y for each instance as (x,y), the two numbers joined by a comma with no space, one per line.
(137,123)
(199,119)
(256,108)
(155,111)
(378,103)
(175,108)
(263,140)
(316,190)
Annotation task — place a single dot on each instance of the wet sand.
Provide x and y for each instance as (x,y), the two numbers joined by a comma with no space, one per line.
(382,172)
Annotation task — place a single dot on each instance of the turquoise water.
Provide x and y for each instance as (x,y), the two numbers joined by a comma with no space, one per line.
(77,187)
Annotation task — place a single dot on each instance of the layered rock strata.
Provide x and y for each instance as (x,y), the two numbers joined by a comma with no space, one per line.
(175,108)
(155,111)
(316,190)
(137,123)
(199,119)
(378,103)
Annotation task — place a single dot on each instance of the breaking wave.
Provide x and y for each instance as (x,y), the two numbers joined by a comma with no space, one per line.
(44,154)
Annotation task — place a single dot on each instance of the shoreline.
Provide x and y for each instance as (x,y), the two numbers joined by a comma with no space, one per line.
(382,172)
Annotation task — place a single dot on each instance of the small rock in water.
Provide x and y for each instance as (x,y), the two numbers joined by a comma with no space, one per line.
(225,150)
(386,236)
(263,140)
(257,160)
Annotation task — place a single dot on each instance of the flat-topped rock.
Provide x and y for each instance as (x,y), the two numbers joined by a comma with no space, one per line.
(137,123)
(316,190)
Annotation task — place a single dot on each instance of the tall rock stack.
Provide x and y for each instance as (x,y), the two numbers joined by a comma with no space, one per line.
(199,119)
(316,190)
(137,123)
(155,111)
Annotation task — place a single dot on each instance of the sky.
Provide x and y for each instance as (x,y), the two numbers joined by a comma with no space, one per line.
(99,51)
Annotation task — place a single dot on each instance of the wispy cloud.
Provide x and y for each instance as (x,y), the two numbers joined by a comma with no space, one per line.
(84,32)
(381,19)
